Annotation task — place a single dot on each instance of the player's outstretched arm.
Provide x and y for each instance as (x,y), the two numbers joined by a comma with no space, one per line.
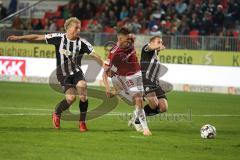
(106,83)
(31,37)
(151,47)
(97,57)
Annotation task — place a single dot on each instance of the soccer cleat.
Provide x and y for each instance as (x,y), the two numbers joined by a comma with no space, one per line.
(138,127)
(56,120)
(82,126)
(147,132)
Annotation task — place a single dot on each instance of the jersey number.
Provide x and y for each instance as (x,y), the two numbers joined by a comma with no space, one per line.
(129,83)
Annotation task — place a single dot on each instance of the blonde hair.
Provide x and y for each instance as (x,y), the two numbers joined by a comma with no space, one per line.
(70,21)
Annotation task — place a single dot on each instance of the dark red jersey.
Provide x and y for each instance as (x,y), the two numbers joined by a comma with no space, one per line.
(123,61)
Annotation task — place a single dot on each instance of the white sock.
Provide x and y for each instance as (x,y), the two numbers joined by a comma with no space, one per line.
(140,114)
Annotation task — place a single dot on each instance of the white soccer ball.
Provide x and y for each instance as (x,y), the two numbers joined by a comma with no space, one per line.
(208,131)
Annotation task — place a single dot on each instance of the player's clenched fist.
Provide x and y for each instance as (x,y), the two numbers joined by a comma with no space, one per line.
(13,38)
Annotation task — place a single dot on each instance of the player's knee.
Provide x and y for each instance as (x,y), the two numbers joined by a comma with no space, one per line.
(83,98)
(154,104)
(138,100)
(163,105)
(163,109)
(81,84)
(139,103)
(153,100)
(70,98)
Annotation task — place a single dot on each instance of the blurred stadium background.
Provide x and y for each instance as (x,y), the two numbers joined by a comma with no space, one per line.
(203,55)
(204,33)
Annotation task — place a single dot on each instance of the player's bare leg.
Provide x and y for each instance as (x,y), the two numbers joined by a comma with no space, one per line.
(70,97)
(139,113)
(83,104)
(152,100)
(155,105)
(132,121)
(163,105)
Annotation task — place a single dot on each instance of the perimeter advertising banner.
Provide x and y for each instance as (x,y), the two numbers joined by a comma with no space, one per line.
(200,57)
(27,50)
(189,78)
(171,56)
(176,73)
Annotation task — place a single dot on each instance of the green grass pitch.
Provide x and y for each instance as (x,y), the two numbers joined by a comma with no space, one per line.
(26,129)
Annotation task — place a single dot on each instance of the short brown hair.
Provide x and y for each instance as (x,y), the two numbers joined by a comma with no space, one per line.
(123,31)
(154,37)
(69,22)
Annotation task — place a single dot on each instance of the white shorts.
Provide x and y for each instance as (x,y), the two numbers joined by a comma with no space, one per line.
(128,86)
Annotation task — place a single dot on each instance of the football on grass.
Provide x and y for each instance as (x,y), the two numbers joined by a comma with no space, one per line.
(208,131)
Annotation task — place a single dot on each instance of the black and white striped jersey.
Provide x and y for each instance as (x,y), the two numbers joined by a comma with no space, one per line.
(150,65)
(68,52)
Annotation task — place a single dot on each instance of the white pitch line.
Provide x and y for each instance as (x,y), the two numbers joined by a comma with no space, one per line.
(138,137)
(108,114)
(32,109)
(24,114)
(217,115)
(44,114)
(50,110)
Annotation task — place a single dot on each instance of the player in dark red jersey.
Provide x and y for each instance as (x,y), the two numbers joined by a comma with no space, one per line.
(123,67)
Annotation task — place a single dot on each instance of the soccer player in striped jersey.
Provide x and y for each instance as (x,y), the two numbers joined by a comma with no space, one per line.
(70,48)
(123,66)
(151,71)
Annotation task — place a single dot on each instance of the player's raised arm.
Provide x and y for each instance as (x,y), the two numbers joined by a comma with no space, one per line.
(31,37)
(155,46)
(97,57)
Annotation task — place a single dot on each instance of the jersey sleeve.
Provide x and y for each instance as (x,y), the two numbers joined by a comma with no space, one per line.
(53,38)
(108,61)
(86,47)
(145,49)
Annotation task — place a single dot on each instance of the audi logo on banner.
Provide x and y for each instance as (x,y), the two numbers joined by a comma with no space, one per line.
(15,67)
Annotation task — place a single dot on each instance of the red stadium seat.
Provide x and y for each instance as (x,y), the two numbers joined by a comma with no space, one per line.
(95,22)
(44,22)
(57,14)
(60,23)
(194,33)
(168,24)
(48,15)
(84,24)
(109,30)
(60,8)
(235,34)
(143,30)
(34,21)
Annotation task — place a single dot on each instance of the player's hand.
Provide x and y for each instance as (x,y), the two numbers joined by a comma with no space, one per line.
(111,73)
(147,132)
(13,38)
(109,94)
(162,47)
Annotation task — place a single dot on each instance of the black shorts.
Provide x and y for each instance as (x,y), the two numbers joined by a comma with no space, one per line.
(70,81)
(150,86)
